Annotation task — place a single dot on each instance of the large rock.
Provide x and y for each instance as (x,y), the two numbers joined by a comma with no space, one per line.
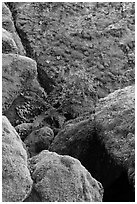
(115,118)
(93,36)
(105,143)
(8,24)
(16,179)
(39,140)
(18,73)
(77,46)
(62,179)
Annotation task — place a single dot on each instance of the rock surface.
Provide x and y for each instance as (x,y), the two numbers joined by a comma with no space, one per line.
(62,179)
(8,24)
(16,179)
(39,140)
(115,117)
(105,143)
(18,73)
(81,51)
(64,37)
(8,44)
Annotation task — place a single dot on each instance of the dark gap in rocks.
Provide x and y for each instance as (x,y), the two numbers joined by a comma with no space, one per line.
(104,169)
(33,197)
(25,42)
(119,191)
(45,81)
(40,146)
(69,116)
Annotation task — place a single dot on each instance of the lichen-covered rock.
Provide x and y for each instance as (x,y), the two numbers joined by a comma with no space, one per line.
(18,73)
(8,24)
(16,179)
(60,178)
(8,44)
(39,140)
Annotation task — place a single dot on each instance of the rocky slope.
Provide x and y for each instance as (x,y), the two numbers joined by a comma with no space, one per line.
(68,87)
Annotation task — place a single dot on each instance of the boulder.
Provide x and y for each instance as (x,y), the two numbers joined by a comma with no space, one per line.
(115,126)
(8,24)
(16,179)
(18,73)
(8,44)
(39,140)
(60,178)
(80,141)
(104,144)
(64,37)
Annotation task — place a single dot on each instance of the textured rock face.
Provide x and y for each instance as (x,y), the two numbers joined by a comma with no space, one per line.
(63,179)
(8,24)
(16,179)
(8,44)
(80,140)
(115,116)
(39,140)
(98,37)
(105,145)
(18,73)
(76,53)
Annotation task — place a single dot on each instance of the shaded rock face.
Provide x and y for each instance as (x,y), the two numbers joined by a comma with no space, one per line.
(18,73)
(80,141)
(64,37)
(39,140)
(16,179)
(115,116)
(8,25)
(105,143)
(62,179)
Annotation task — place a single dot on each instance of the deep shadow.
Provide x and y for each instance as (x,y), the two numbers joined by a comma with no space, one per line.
(119,191)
